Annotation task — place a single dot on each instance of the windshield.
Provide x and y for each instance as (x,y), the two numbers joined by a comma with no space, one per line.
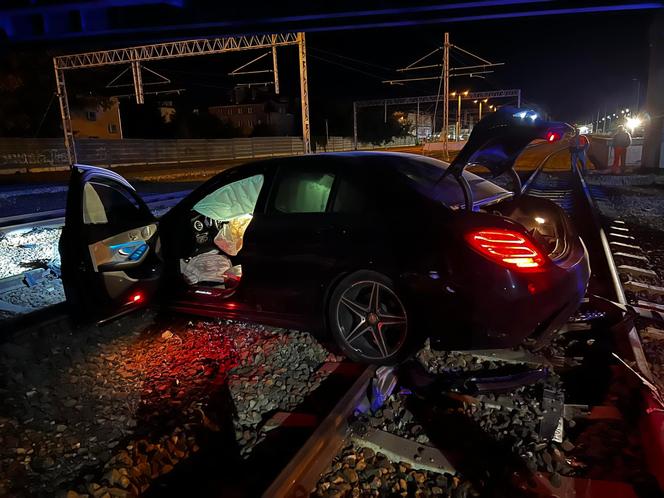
(425,174)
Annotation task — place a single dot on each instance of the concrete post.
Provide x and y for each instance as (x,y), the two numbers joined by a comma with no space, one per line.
(653,146)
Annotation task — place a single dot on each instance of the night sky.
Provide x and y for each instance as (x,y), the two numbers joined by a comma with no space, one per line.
(570,66)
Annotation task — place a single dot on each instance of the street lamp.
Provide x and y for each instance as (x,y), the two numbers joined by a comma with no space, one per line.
(458,122)
(633,123)
(480,102)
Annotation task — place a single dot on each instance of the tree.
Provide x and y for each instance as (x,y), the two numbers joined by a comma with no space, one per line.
(375,128)
(28,106)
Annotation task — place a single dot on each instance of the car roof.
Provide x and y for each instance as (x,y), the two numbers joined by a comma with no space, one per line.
(354,158)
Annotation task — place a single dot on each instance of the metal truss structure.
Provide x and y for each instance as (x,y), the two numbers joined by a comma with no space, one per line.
(430,99)
(134,56)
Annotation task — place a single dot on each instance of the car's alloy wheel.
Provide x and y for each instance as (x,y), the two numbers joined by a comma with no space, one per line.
(370,320)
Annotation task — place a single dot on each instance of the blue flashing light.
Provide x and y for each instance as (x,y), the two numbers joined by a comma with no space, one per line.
(526,113)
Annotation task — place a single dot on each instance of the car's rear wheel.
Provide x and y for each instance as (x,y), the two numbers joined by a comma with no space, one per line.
(368,319)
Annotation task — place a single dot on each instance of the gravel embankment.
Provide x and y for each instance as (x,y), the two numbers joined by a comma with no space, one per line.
(108,410)
(363,472)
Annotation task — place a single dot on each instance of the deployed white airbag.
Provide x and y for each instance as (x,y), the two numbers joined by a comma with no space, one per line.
(232,200)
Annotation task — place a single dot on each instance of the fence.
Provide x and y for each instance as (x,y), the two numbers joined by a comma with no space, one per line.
(34,155)
(340,144)
(48,154)
(601,152)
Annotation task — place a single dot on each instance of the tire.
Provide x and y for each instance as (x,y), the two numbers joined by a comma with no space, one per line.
(368,320)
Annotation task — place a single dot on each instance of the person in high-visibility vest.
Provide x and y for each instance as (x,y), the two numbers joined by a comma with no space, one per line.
(621,140)
(578,148)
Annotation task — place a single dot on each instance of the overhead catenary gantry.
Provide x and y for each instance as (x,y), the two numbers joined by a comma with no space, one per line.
(134,56)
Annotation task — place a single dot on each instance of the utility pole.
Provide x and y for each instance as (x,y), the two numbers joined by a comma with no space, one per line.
(275,69)
(446,93)
(354,125)
(638,95)
(304,92)
(417,123)
(604,121)
(61,89)
(458,121)
(138,80)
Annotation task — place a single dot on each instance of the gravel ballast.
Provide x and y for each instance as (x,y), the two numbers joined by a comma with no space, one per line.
(111,409)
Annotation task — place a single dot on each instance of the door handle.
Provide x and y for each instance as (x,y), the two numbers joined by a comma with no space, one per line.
(324,230)
(330,229)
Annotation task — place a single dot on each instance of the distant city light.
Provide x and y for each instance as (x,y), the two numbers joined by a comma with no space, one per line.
(583,129)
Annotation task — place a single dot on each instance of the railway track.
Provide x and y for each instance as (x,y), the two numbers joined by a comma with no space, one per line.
(335,443)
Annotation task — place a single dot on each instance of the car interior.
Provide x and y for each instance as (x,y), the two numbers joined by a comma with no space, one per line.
(218,222)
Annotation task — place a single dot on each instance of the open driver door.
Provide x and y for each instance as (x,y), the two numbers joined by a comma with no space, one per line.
(109,247)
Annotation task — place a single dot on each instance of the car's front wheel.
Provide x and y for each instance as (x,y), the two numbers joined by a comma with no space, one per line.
(368,320)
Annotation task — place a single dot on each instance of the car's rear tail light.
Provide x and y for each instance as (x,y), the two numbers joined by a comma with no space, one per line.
(553,136)
(507,247)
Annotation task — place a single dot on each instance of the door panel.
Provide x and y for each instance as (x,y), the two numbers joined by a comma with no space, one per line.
(109,245)
(285,258)
(293,250)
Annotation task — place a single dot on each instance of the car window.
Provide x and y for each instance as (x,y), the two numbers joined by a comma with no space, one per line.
(302,191)
(425,175)
(350,197)
(106,203)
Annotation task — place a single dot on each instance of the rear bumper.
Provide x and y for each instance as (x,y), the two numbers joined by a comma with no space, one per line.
(487,306)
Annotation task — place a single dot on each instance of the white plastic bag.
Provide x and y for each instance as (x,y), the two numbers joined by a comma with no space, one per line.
(229,238)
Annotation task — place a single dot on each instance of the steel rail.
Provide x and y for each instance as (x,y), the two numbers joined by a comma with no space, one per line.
(632,335)
(302,473)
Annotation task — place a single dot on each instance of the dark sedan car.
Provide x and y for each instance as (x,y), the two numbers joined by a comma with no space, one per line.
(379,249)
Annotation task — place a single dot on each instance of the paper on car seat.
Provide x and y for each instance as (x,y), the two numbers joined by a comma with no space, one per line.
(229,238)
